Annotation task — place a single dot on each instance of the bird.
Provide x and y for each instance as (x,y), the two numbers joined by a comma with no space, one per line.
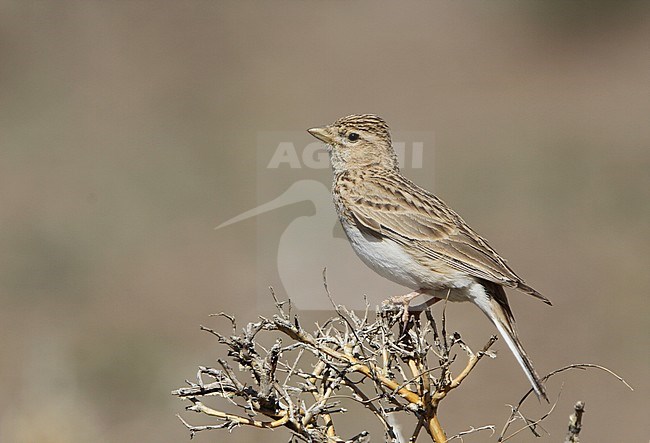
(411,237)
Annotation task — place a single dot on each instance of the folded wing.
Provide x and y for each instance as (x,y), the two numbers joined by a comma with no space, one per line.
(390,205)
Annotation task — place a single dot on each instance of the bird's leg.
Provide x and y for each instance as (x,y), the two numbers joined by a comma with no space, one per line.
(427,304)
(405,300)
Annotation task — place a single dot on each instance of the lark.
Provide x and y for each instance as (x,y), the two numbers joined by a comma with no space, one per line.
(411,237)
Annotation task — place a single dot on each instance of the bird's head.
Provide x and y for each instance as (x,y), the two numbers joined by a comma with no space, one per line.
(358,141)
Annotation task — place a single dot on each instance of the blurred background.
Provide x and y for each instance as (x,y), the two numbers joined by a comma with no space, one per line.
(129,130)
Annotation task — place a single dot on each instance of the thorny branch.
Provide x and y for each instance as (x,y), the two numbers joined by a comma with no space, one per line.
(378,363)
(301,380)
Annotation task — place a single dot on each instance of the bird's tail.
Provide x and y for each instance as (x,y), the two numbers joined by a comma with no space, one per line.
(498,310)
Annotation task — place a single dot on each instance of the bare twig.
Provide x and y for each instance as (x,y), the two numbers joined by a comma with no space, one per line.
(515,412)
(575,423)
(460,435)
(381,364)
(533,424)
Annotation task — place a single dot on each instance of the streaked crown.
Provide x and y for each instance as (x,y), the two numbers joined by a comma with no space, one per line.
(369,123)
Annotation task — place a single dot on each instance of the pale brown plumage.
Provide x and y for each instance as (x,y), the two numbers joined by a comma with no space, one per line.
(410,236)
(426,223)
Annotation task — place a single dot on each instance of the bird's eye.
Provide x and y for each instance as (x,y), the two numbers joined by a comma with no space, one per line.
(353,136)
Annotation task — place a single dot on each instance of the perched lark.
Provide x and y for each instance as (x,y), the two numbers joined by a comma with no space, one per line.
(410,236)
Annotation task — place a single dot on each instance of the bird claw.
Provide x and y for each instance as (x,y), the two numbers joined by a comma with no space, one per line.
(402,302)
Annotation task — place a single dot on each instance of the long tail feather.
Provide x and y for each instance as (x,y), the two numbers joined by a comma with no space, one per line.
(494,304)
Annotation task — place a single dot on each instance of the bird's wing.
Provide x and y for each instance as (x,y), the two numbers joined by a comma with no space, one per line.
(390,205)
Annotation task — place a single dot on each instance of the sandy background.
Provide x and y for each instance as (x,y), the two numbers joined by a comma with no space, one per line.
(128,130)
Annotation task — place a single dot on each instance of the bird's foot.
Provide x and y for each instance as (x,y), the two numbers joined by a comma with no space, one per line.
(402,300)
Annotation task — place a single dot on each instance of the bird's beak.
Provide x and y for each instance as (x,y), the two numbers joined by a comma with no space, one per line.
(322,134)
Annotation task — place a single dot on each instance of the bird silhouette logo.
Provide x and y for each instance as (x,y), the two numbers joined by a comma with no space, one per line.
(313,239)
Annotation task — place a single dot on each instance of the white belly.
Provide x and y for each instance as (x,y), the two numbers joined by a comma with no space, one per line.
(389,260)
